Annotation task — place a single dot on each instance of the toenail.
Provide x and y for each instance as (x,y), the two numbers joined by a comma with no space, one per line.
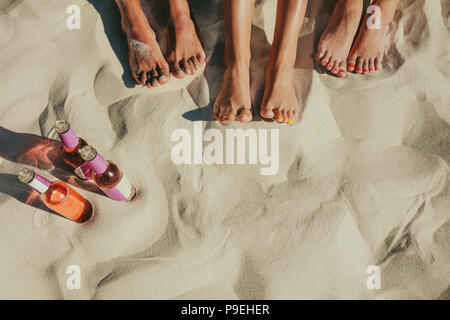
(351,65)
(231,116)
(280,118)
(371,69)
(365,70)
(343,70)
(290,120)
(358,69)
(162,76)
(335,69)
(377,68)
(178,71)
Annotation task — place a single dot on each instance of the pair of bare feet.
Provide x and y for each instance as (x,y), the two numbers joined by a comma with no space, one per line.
(279,101)
(148,65)
(338,50)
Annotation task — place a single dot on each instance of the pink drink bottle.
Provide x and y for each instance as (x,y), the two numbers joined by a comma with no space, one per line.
(58,196)
(71,151)
(108,177)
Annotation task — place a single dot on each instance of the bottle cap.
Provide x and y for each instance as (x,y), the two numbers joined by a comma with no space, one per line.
(88,153)
(62,126)
(26,175)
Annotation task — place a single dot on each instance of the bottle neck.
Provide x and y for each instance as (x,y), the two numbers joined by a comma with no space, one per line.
(98,164)
(69,139)
(39,183)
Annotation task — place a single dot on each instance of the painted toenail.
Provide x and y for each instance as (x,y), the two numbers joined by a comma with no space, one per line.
(280,118)
(162,76)
(335,69)
(358,69)
(231,116)
(377,68)
(371,69)
(178,71)
(365,70)
(351,65)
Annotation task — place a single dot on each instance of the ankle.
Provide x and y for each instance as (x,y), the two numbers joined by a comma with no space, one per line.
(181,19)
(238,60)
(352,7)
(238,67)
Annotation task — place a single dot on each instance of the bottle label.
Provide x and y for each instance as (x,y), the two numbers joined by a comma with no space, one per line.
(121,192)
(69,139)
(84,171)
(39,183)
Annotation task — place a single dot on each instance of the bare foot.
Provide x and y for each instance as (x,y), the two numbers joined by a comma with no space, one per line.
(148,66)
(279,100)
(368,50)
(336,41)
(186,54)
(233,101)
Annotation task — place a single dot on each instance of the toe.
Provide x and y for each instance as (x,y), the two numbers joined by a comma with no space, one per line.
(290,116)
(222,112)
(185,66)
(325,59)
(371,65)
(366,67)
(216,111)
(196,63)
(201,57)
(352,62)
(335,68)
(163,74)
(342,73)
(330,64)
(143,78)
(378,65)
(267,111)
(245,115)
(177,71)
(191,65)
(321,51)
(359,65)
(284,112)
(278,115)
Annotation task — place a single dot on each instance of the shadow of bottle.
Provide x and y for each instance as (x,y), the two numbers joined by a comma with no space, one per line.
(43,153)
(11,186)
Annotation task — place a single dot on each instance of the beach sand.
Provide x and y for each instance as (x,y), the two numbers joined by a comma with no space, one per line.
(363,179)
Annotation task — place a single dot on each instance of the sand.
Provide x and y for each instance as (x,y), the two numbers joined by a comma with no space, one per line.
(363,179)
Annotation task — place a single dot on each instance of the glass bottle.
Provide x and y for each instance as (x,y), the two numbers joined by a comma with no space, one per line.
(71,149)
(59,197)
(108,177)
